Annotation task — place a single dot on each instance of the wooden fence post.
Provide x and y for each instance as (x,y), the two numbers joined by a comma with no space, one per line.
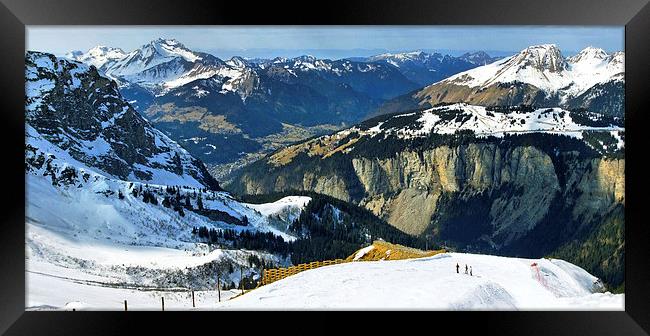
(163,302)
(241,279)
(219,287)
(125,307)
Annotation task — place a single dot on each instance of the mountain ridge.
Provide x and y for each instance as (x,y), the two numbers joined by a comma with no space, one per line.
(538,75)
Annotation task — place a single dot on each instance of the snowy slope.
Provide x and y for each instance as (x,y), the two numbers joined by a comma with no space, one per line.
(111,202)
(82,234)
(544,67)
(285,205)
(64,293)
(498,283)
(70,106)
(452,118)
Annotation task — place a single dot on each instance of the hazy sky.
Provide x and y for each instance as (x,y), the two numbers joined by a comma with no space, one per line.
(323,41)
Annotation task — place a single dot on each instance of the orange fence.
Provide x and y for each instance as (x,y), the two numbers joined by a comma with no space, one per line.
(275,274)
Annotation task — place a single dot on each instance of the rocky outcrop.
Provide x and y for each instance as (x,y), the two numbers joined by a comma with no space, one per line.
(74,107)
(419,191)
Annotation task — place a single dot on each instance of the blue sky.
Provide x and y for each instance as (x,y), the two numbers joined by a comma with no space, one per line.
(327,42)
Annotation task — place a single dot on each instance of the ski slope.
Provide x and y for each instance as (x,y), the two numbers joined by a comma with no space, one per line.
(88,248)
(47,292)
(498,283)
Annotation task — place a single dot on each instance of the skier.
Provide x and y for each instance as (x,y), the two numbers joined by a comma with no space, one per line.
(465,268)
(457,267)
(470,271)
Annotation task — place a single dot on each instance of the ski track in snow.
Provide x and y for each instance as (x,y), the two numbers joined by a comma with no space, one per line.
(499,283)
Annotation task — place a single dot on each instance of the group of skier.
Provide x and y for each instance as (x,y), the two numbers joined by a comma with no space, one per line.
(466,269)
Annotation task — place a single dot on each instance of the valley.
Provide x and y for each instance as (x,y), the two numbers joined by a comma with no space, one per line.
(162,171)
(253,107)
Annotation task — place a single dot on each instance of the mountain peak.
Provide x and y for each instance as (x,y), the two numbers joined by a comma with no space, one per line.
(106,51)
(589,54)
(97,56)
(237,62)
(542,57)
(477,57)
(169,42)
(305,58)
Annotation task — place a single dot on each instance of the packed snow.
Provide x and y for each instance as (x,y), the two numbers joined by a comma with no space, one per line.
(274,208)
(497,283)
(56,292)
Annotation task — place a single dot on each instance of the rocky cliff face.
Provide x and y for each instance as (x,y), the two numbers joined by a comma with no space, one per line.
(516,177)
(72,106)
(412,189)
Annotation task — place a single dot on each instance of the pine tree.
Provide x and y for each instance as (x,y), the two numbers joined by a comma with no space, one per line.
(199,202)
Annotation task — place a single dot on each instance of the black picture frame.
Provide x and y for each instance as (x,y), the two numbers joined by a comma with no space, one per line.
(633,14)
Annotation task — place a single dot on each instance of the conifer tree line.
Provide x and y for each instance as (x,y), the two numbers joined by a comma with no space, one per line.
(326,229)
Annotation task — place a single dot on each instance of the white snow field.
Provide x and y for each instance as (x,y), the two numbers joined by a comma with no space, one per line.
(498,283)
(50,292)
(87,248)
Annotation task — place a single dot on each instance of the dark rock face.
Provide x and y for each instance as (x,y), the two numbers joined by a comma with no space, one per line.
(74,107)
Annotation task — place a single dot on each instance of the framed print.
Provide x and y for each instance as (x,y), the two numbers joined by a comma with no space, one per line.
(471,162)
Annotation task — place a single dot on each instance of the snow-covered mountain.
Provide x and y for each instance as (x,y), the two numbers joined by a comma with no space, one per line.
(497,283)
(113,203)
(539,75)
(544,67)
(478,58)
(425,68)
(164,64)
(99,56)
(88,233)
(72,106)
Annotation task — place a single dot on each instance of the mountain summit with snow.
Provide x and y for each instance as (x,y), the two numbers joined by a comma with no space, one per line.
(538,75)
(544,67)
(98,56)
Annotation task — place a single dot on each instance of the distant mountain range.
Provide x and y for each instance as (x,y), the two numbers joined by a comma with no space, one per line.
(538,75)
(249,107)
(424,68)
